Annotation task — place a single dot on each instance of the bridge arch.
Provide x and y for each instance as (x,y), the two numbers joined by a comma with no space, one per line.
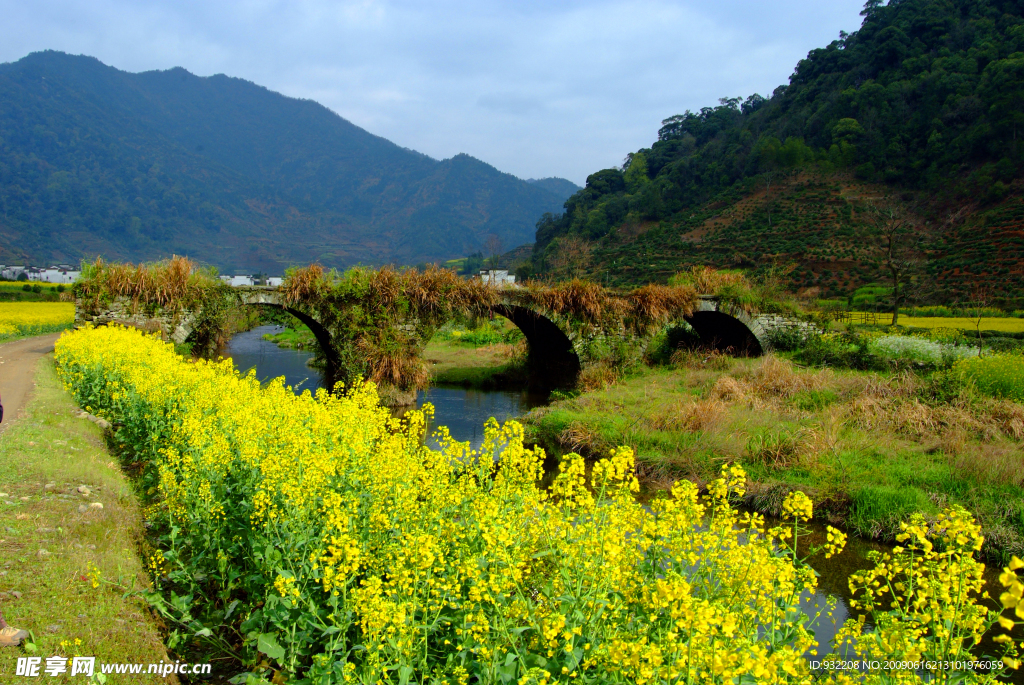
(552,357)
(728,329)
(332,369)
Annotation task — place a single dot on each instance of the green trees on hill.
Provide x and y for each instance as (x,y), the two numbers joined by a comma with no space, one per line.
(928,96)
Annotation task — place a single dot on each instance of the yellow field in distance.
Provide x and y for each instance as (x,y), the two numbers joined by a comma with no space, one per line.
(34,318)
(1006,325)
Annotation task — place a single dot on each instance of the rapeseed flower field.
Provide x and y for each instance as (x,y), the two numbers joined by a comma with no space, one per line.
(35,318)
(318,540)
(998,375)
(1005,324)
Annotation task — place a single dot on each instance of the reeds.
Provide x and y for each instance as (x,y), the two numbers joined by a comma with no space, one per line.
(776,377)
(173,284)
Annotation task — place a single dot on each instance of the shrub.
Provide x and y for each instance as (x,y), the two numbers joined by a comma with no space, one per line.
(997,375)
(904,347)
(1004,344)
(841,351)
(920,350)
(788,338)
(950,386)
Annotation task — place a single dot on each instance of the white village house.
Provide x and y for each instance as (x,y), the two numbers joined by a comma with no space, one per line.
(60,274)
(236,281)
(497,277)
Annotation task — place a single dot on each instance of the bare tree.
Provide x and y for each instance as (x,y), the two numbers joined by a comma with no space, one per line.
(769,176)
(571,256)
(494,249)
(895,239)
(980,298)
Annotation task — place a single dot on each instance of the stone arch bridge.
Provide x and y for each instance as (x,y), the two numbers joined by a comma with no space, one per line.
(557,350)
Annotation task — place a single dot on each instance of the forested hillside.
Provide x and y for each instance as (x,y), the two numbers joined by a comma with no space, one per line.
(558,186)
(919,111)
(94,160)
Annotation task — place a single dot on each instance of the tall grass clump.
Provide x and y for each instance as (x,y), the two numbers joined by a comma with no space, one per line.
(317,539)
(175,288)
(762,294)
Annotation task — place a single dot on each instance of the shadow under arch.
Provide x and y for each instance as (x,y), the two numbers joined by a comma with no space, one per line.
(726,333)
(553,361)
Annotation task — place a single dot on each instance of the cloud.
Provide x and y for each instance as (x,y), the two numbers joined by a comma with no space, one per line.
(559,88)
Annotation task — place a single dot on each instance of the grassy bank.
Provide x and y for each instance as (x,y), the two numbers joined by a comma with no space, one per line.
(300,338)
(475,366)
(871,448)
(68,559)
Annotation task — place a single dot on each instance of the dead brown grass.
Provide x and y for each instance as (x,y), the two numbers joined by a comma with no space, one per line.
(892,404)
(305,285)
(656,305)
(707,280)
(696,417)
(597,377)
(989,463)
(731,389)
(1009,416)
(582,439)
(393,361)
(775,377)
(824,437)
(701,359)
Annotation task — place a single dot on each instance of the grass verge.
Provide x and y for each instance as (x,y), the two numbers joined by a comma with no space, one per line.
(487,366)
(870,448)
(56,543)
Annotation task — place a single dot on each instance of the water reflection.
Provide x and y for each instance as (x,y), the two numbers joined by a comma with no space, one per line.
(249,350)
(462,410)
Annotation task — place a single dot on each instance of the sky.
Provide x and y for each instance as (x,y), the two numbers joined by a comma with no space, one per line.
(535,88)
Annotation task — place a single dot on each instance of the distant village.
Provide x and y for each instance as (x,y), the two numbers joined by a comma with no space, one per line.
(64,274)
(60,274)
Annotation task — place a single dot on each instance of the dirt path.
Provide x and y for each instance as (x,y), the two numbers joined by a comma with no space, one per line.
(17,372)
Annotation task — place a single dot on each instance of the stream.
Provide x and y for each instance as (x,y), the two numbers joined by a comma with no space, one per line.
(464,412)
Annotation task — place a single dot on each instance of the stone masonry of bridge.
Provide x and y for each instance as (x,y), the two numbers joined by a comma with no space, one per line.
(558,347)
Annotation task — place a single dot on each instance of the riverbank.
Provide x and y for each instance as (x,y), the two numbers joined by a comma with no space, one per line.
(871,449)
(70,530)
